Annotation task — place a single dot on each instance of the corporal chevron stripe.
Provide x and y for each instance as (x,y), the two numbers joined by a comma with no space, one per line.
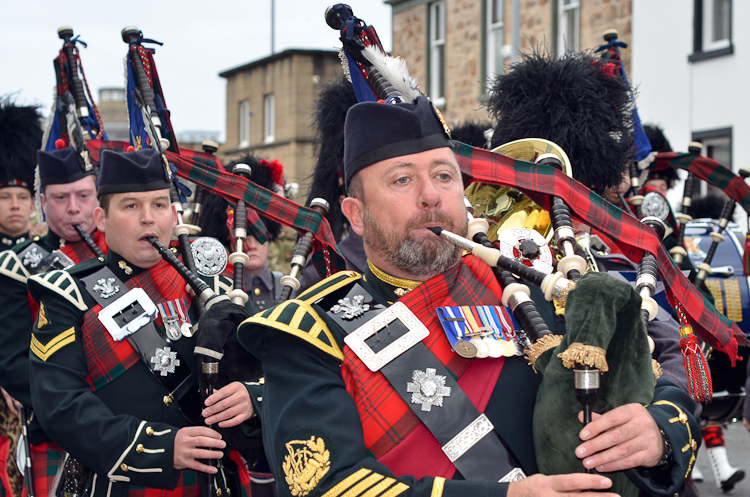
(44,352)
(63,284)
(10,266)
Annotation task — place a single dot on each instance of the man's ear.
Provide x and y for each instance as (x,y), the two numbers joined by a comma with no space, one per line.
(353,210)
(99,218)
(174,216)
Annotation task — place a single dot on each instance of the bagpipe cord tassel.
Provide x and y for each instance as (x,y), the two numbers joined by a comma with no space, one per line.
(696,369)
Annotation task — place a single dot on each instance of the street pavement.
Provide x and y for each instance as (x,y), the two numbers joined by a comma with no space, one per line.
(738,448)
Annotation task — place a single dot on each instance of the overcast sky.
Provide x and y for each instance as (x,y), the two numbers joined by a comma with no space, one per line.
(201,38)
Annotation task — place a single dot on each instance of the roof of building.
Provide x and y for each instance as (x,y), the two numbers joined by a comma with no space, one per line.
(273,58)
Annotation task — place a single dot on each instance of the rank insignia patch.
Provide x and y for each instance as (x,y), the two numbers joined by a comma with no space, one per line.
(42,321)
(306,463)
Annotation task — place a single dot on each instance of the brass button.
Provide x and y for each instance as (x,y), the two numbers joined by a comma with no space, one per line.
(124,467)
(694,445)
(260,399)
(256,291)
(173,249)
(218,492)
(229,491)
(149,431)
(139,448)
(683,418)
(262,381)
(101,259)
(168,400)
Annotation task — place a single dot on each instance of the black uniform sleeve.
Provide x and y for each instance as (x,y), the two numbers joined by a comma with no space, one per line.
(666,336)
(313,435)
(137,452)
(672,410)
(15,335)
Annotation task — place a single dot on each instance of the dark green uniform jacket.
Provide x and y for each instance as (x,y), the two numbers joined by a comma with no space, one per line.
(313,433)
(93,398)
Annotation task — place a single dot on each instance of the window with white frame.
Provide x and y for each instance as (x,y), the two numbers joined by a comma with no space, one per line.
(712,29)
(717,18)
(569,26)
(269,118)
(717,145)
(437,52)
(244,138)
(497,51)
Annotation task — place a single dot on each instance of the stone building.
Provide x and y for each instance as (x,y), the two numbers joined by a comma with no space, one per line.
(454,47)
(114,111)
(270,105)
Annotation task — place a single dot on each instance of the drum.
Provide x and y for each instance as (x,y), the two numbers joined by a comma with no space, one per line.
(730,288)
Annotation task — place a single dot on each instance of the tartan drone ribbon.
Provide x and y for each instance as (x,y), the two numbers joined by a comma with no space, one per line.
(538,182)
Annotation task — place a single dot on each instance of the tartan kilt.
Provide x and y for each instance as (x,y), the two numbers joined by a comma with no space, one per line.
(187,486)
(46,459)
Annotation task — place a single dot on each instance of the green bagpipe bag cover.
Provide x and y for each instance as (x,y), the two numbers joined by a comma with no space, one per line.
(604,329)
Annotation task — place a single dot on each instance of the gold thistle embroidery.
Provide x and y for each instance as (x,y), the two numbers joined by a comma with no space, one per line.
(305,465)
(43,321)
(124,266)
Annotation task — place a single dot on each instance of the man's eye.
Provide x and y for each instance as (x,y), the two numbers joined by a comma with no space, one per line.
(444,177)
(402,181)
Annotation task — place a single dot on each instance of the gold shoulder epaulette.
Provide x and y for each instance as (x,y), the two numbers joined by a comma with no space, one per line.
(298,318)
(63,284)
(329,285)
(11,266)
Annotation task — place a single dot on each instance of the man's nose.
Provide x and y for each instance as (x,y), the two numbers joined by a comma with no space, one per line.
(429,196)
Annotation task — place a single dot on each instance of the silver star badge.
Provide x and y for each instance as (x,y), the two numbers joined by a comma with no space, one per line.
(427,389)
(351,308)
(107,287)
(164,361)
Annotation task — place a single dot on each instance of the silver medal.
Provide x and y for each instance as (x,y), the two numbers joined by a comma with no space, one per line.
(187,330)
(172,328)
(495,348)
(483,350)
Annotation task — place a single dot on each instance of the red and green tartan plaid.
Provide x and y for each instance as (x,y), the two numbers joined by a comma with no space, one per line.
(273,206)
(187,486)
(386,419)
(107,359)
(255,226)
(46,459)
(79,251)
(538,182)
(710,171)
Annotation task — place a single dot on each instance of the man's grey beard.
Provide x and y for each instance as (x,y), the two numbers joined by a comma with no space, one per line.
(428,257)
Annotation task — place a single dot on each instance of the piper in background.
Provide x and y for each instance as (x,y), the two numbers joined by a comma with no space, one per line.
(20,135)
(68,197)
(261,284)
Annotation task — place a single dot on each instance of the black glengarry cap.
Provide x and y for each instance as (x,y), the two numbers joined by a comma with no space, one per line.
(376,131)
(140,171)
(60,166)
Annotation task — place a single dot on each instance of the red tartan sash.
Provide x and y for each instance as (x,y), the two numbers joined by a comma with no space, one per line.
(390,428)
(79,251)
(107,359)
